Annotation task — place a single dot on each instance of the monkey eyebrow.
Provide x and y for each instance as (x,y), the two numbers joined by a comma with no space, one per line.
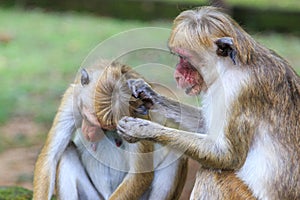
(173,52)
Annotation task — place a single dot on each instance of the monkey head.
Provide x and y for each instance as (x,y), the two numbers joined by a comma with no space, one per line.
(113,99)
(104,98)
(206,41)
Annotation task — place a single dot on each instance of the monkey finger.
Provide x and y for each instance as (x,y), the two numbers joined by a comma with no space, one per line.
(145,92)
(130,139)
(126,137)
(132,84)
(120,129)
(138,87)
(123,129)
(126,119)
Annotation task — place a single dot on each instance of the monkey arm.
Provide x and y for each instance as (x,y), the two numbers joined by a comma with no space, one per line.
(195,139)
(133,186)
(188,117)
(56,143)
(140,177)
(211,152)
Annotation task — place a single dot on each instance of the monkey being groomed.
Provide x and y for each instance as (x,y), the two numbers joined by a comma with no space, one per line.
(102,165)
(248,126)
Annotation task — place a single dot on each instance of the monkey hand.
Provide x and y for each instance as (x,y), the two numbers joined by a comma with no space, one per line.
(140,89)
(135,129)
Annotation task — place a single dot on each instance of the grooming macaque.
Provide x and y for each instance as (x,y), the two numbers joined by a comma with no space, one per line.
(100,165)
(248,126)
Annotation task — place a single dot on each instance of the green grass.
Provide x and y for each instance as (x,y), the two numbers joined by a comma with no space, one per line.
(44,55)
(47,49)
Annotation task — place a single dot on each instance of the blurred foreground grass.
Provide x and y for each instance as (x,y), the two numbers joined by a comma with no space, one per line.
(41,53)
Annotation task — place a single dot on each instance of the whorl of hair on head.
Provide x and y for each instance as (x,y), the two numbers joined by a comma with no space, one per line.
(113,98)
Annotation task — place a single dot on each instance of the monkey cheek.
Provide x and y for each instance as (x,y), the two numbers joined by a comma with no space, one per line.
(94,137)
(180,80)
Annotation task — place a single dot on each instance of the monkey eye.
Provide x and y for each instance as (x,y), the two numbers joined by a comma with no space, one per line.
(174,53)
(182,57)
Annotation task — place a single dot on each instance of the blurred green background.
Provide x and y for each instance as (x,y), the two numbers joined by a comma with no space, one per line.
(43,43)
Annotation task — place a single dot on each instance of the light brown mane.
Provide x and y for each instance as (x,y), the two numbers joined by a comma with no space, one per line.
(201,27)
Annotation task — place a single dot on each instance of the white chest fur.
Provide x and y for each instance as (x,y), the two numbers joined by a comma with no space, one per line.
(217,100)
(262,160)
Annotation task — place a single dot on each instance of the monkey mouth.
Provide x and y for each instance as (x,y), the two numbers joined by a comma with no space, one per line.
(188,77)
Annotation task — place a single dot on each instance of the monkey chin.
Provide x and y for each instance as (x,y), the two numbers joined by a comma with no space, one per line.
(193,90)
(188,77)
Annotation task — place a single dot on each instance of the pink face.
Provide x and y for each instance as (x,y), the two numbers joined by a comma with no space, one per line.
(90,127)
(91,132)
(188,77)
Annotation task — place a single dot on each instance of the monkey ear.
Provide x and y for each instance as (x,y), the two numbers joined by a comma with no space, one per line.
(226,48)
(85,79)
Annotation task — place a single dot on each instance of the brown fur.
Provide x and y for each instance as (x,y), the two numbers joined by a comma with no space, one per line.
(259,149)
(222,184)
(136,184)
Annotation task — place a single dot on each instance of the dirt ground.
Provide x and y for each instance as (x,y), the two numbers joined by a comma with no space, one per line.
(17,160)
(17,166)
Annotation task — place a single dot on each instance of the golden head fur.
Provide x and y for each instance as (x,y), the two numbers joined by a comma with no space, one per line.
(201,27)
(112,99)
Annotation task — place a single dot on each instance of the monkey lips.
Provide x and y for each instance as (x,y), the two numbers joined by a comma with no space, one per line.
(188,77)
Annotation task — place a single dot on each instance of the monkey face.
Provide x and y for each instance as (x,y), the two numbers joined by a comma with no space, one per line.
(188,77)
(206,43)
(188,71)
